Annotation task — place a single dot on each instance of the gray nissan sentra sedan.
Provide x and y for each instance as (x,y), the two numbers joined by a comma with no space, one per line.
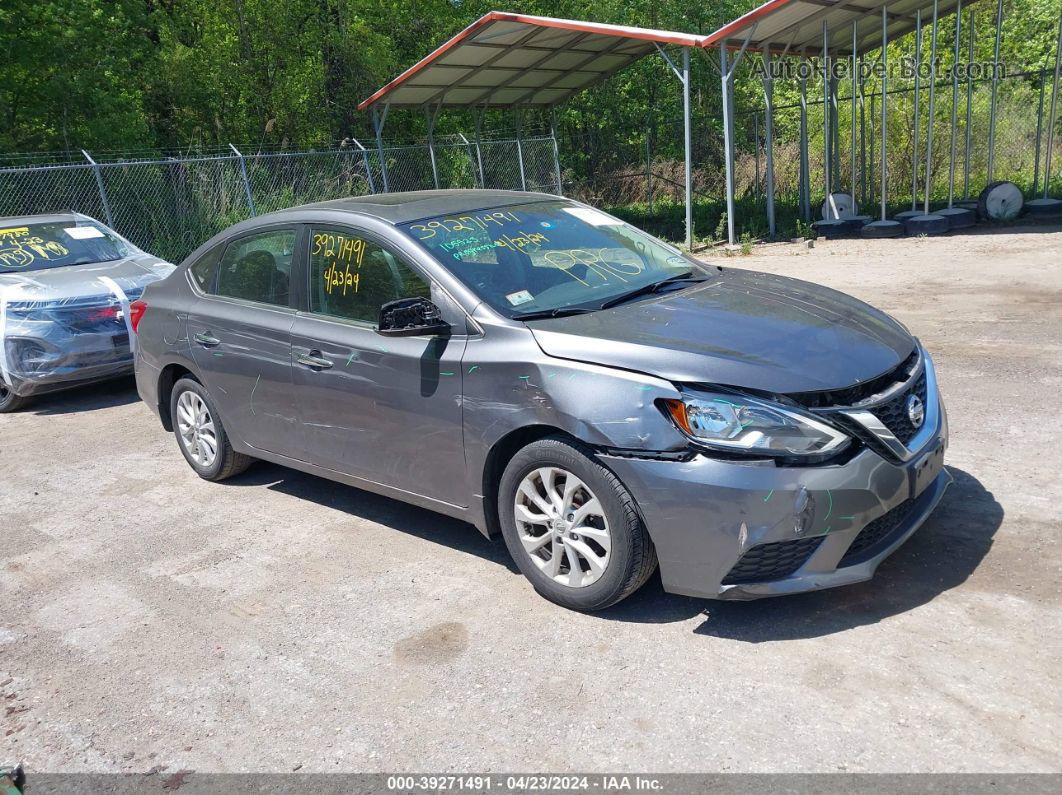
(548,372)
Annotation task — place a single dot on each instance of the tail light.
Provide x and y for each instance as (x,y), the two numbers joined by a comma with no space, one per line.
(136,312)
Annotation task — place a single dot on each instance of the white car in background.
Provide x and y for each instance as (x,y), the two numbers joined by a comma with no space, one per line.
(66,282)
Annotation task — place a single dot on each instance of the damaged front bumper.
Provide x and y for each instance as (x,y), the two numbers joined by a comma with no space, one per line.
(735,530)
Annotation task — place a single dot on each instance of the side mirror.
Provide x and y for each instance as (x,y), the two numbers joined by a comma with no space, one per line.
(411,317)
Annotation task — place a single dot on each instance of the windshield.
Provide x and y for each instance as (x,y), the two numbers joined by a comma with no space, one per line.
(34,247)
(551,255)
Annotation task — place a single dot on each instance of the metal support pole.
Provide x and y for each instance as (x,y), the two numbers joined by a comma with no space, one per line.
(756,153)
(995,88)
(827,137)
(1051,118)
(1039,132)
(246,181)
(556,150)
(884,103)
(430,115)
(862,144)
(728,143)
(805,188)
(870,160)
(378,121)
(768,94)
(835,127)
(519,118)
(103,191)
(365,160)
(932,110)
(852,155)
(917,108)
(969,112)
(688,145)
(683,76)
(479,151)
(955,103)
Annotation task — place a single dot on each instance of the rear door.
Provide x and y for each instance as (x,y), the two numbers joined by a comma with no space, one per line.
(387,409)
(239,333)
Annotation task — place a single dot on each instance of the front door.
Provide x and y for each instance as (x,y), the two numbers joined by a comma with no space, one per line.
(387,409)
(239,333)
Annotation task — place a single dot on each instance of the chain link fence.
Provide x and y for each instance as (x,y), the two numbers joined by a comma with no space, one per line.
(169,206)
(644,180)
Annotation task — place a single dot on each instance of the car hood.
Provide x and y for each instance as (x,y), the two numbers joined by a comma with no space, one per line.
(83,281)
(742,329)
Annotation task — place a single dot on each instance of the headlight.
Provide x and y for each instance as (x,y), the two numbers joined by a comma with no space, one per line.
(748,425)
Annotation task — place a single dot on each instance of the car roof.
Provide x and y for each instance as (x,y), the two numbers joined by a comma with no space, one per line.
(400,208)
(68,217)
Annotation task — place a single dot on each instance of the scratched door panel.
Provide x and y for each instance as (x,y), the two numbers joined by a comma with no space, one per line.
(248,370)
(388,409)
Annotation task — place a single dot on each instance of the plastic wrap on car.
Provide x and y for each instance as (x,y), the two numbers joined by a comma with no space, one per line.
(57,333)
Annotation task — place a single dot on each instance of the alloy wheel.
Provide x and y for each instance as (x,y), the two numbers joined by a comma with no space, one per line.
(562,527)
(196,428)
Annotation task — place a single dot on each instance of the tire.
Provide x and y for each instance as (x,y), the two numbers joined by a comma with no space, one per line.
(616,529)
(9,401)
(1000,201)
(225,461)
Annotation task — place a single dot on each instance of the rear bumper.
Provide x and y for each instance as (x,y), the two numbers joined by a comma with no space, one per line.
(39,364)
(705,515)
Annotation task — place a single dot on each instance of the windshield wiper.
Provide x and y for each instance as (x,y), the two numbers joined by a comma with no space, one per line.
(653,287)
(560,311)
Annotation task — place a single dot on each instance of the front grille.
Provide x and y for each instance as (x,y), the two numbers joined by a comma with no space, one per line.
(893,413)
(773,561)
(853,395)
(877,535)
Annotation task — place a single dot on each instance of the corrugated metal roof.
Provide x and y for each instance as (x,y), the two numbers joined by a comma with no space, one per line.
(797,24)
(505,59)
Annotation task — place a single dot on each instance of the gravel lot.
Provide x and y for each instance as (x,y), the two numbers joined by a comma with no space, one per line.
(148,618)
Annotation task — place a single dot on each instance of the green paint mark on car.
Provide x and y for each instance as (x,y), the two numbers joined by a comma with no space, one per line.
(769,495)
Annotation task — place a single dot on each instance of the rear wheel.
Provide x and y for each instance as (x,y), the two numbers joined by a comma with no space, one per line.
(200,434)
(9,401)
(572,527)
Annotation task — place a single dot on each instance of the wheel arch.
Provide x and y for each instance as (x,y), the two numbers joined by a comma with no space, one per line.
(498,457)
(168,376)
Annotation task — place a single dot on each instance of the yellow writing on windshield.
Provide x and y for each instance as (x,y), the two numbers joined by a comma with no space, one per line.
(17,251)
(481,222)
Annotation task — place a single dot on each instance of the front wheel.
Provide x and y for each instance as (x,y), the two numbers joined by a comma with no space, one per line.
(9,401)
(572,527)
(200,434)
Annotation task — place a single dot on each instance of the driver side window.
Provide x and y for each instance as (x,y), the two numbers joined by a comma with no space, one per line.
(351,277)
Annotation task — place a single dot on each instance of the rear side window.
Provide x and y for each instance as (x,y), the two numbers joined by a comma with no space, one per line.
(258,267)
(204,269)
(351,278)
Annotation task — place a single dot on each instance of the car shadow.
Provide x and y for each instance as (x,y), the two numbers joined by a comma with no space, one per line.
(941,555)
(385,511)
(90,397)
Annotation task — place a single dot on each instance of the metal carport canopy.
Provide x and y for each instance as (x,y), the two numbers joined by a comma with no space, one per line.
(505,60)
(796,25)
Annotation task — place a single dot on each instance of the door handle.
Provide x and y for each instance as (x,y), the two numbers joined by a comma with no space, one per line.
(317,362)
(206,340)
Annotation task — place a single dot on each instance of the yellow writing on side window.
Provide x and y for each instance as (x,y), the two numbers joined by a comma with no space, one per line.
(340,252)
(14,231)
